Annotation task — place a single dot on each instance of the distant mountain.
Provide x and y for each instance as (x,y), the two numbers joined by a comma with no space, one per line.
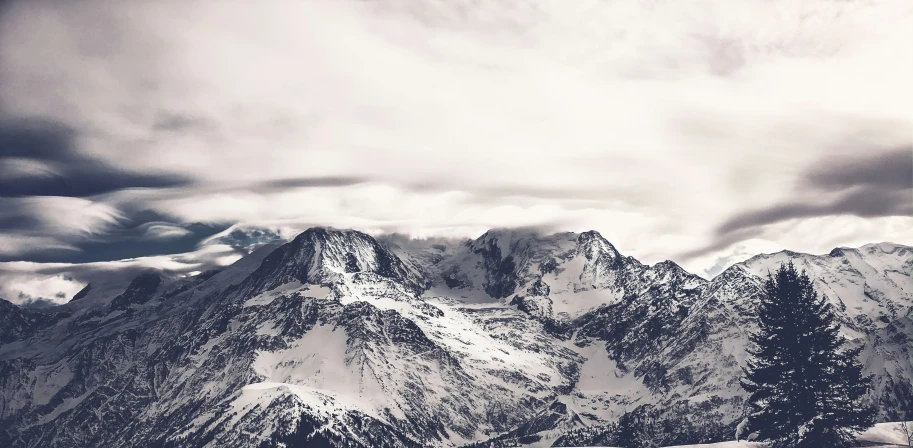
(337,338)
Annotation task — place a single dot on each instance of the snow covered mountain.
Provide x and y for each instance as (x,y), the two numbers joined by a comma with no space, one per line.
(337,338)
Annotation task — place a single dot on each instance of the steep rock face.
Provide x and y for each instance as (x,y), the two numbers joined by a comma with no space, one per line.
(319,256)
(341,340)
(887,357)
(654,330)
(499,262)
(555,276)
(542,430)
(18,323)
(140,290)
(602,260)
(82,293)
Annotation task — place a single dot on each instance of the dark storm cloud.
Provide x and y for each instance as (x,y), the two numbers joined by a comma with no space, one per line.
(891,170)
(15,219)
(40,158)
(863,202)
(871,186)
(35,139)
(135,232)
(67,172)
(16,216)
(128,241)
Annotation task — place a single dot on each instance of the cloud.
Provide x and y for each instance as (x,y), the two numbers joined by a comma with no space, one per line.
(52,229)
(28,301)
(655,123)
(57,216)
(18,168)
(169,122)
(810,235)
(720,243)
(52,204)
(144,240)
(41,158)
(42,284)
(17,247)
(865,202)
(40,140)
(873,185)
(31,290)
(307,182)
(164,231)
(890,170)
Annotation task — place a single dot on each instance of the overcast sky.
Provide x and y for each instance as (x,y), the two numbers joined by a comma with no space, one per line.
(698,131)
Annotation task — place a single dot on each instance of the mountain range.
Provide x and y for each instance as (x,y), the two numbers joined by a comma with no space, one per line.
(337,338)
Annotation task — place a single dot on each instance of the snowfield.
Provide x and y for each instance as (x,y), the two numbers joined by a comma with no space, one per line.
(882,435)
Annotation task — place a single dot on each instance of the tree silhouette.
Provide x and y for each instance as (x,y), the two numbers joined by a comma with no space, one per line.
(805,389)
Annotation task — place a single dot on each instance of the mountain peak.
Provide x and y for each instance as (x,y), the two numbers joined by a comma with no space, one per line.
(592,244)
(668,265)
(838,251)
(323,233)
(327,250)
(141,290)
(320,254)
(506,240)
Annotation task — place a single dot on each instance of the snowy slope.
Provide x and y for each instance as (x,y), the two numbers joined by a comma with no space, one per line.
(882,435)
(870,285)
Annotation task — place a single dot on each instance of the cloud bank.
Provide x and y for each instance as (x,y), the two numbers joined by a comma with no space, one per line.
(692,130)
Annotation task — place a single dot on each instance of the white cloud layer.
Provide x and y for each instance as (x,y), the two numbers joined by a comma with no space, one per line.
(22,282)
(652,122)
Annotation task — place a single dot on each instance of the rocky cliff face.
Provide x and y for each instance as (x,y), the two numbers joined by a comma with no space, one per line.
(21,323)
(339,339)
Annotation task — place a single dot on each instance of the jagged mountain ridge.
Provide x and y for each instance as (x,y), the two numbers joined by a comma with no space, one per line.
(340,337)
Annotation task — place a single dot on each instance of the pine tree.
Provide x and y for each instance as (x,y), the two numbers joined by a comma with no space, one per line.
(805,388)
